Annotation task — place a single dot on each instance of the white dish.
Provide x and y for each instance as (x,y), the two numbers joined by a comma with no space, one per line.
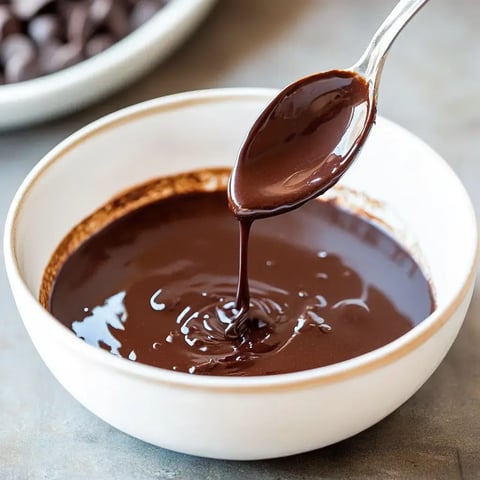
(227,417)
(69,89)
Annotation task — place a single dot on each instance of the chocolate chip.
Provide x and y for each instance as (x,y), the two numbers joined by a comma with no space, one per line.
(26,9)
(100,10)
(20,68)
(16,45)
(79,24)
(8,23)
(55,57)
(142,11)
(45,29)
(98,43)
(18,55)
(117,22)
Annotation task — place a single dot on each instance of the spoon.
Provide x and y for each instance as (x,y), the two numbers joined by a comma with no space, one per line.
(304,141)
(309,135)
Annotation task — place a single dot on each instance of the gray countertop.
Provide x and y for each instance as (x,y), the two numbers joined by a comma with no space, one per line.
(430,86)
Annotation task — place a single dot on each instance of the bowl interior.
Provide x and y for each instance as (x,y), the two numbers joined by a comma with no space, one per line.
(205,129)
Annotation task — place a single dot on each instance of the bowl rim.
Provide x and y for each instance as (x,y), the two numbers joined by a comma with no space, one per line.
(362,364)
(169,17)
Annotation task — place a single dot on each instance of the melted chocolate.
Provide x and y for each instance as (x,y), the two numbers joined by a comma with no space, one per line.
(158,286)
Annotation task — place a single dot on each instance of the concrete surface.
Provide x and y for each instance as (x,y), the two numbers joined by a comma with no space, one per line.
(431,86)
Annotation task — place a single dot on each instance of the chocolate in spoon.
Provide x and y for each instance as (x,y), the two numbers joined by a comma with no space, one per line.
(306,139)
(311,132)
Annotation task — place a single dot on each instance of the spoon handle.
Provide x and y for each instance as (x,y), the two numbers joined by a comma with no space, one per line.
(371,63)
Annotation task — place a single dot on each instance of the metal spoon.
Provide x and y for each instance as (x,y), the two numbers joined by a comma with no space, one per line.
(309,135)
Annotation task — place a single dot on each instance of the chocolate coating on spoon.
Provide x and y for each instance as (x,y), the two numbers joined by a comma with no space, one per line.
(301,144)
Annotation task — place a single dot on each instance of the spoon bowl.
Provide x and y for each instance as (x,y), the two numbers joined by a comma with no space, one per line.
(312,131)
(302,143)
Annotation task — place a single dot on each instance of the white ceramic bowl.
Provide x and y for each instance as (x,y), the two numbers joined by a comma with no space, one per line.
(225,417)
(69,89)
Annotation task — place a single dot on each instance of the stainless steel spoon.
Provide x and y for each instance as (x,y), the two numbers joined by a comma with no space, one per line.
(309,135)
